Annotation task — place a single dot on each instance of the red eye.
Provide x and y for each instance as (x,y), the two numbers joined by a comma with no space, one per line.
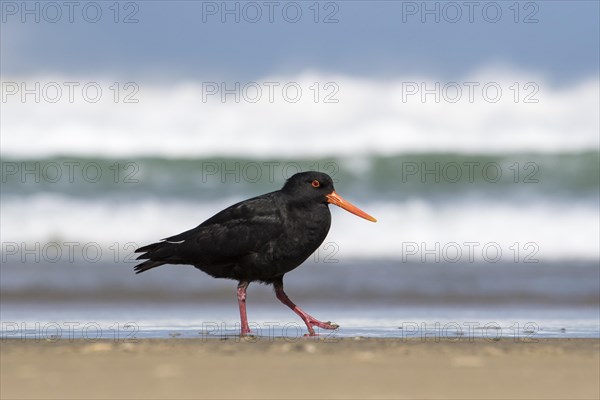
(315,183)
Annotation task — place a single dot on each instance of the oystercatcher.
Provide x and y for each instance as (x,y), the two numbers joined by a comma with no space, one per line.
(259,239)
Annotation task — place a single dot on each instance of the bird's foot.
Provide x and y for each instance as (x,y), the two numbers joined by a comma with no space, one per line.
(324,325)
(246,332)
(320,324)
(248,337)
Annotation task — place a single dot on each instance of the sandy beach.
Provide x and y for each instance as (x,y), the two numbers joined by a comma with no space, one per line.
(349,368)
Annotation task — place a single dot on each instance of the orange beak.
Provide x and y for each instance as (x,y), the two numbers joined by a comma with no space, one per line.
(336,199)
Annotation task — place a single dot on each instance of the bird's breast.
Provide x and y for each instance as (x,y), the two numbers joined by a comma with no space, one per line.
(303,233)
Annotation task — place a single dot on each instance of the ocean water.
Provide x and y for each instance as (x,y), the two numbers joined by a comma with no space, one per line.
(426,323)
(534,206)
(373,298)
(488,213)
(356,116)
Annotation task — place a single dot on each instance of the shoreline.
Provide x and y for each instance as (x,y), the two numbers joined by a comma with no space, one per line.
(304,368)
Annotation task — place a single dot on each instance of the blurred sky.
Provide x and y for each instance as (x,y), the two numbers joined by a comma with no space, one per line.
(171,41)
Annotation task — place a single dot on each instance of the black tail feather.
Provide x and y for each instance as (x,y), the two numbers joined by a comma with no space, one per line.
(149,253)
(149,248)
(146,265)
(156,255)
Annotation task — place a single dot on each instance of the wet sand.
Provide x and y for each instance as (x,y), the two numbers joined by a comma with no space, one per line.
(351,368)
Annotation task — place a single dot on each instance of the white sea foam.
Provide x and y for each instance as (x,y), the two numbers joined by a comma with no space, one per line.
(370,117)
(409,230)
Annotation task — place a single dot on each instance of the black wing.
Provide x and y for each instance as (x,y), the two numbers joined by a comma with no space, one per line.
(239,230)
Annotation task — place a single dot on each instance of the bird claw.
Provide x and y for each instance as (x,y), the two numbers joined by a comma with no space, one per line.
(323,325)
(249,337)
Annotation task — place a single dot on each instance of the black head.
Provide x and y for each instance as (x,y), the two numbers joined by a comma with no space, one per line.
(316,187)
(309,186)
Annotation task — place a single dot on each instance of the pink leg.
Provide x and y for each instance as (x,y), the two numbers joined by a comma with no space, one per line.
(308,320)
(241,294)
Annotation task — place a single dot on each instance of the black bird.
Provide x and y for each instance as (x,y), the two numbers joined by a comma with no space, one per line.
(259,239)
